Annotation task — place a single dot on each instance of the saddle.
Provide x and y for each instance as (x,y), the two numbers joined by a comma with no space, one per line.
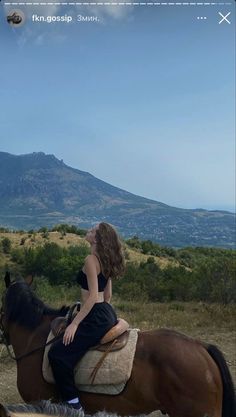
(115,339)
(100,372)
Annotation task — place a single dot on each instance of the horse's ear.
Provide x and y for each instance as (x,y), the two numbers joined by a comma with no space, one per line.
(4,412)
(29,279)
(7,279)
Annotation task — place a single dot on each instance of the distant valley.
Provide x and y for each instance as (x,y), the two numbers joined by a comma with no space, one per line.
(40,190)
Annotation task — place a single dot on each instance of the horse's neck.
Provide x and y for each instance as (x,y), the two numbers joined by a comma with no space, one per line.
(22,339)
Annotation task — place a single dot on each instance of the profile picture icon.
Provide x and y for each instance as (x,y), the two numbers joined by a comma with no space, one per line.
(15,18)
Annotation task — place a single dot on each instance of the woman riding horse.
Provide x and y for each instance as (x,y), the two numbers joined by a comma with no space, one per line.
(171,372)
(96,315)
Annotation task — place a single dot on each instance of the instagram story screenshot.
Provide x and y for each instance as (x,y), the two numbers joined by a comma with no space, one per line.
(117,208)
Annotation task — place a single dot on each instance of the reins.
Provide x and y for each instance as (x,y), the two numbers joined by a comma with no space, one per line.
(25,355)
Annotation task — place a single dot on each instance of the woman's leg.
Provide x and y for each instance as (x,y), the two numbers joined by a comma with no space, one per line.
(63,360)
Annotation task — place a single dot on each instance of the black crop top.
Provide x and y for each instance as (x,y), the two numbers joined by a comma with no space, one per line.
(83,282)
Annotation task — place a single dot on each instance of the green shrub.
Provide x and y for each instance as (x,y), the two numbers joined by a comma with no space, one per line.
(6,245)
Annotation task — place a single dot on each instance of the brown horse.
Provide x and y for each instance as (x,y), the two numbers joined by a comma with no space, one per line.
(171,372)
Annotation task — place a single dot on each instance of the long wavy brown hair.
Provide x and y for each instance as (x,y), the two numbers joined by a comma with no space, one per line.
(109,250)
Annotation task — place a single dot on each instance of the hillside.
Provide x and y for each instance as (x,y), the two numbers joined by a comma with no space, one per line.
(40,190)
(29,240)
(152,273)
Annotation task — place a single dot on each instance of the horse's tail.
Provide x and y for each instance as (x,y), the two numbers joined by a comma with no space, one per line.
(229,400)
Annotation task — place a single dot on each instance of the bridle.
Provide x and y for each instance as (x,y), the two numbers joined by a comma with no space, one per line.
(6,342)
(4,338)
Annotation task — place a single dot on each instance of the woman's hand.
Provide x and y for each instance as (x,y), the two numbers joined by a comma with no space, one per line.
(69,334)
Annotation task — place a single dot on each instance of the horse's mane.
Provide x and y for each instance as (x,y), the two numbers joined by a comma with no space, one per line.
(23,307)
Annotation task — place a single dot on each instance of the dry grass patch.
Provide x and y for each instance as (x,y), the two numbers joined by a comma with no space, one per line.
(29,240)
(137,257)
(181,316)
(33,240)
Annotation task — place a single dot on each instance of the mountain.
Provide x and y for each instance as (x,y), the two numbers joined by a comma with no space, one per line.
(40,190)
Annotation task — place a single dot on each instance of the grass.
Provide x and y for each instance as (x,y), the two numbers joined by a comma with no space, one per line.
(187,317)
(183,316)
(37,239)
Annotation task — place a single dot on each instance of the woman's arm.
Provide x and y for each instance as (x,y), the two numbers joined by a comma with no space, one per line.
(108,291)
(91,273)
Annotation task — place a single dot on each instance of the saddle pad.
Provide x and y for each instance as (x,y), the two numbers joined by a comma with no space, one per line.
(111,376)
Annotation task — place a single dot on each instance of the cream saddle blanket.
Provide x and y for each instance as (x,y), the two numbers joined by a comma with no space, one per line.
(111,376)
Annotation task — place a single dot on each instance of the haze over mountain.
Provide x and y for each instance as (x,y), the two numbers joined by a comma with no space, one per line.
(40,190)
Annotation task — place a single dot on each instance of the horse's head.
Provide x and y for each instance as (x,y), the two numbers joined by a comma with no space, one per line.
(8,281)
(21,306)
(15,301)
(4,336)
(4,309)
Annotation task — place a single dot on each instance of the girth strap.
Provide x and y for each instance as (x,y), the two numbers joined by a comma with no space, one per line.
(98,365)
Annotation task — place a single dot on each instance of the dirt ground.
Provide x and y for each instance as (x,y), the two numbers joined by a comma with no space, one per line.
(8,390)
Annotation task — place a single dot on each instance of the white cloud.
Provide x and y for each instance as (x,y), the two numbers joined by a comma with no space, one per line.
(112,11)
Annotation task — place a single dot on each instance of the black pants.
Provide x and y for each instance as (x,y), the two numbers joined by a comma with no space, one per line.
(63,358)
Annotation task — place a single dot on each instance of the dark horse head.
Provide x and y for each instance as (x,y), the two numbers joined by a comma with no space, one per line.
(20,305)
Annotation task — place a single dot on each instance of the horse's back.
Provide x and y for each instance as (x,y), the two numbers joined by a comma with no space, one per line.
(166,347)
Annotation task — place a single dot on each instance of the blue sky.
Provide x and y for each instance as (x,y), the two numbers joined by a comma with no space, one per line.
(143,99)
